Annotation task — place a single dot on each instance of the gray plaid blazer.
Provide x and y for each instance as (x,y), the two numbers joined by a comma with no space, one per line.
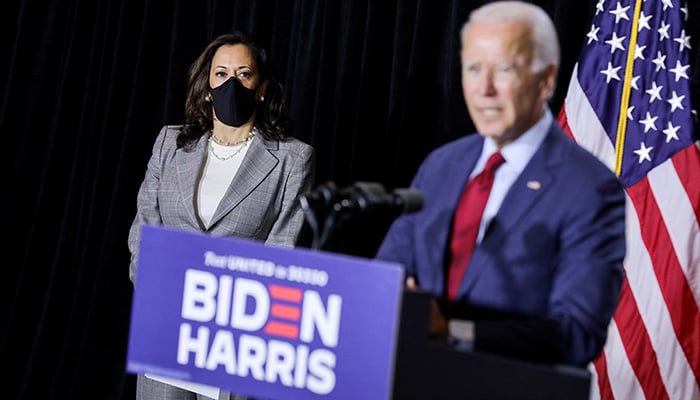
(260,204)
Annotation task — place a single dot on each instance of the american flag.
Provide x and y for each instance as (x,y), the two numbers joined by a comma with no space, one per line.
(629,103)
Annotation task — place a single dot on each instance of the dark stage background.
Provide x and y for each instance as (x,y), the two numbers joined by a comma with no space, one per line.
(86,85)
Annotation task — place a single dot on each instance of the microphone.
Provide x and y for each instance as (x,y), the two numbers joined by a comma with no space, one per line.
(325,206)
(370,197)
(321,197)
(407,200)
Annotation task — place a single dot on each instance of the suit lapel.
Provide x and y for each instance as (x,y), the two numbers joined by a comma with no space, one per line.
(258,162)
(455,175)
(189,165)
(536,179)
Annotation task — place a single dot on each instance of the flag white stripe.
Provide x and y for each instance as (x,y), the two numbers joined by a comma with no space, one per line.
(585,125)
(594,393)
(675,209)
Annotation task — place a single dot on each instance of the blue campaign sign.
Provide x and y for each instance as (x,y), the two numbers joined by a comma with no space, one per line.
(263,321)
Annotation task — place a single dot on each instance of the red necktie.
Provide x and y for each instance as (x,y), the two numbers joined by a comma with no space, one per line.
(465,225)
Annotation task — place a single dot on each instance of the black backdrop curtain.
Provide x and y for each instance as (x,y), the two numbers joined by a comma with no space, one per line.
(86,85)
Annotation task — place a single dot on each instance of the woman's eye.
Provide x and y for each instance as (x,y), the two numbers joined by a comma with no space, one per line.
(243,74)
(220,74)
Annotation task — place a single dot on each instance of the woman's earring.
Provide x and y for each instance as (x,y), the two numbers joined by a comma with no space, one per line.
(207,98)
(262,98)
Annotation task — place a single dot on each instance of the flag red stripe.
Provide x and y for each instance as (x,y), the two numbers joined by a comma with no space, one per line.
(601,367)
(564,122)
(638,346)
(677,294)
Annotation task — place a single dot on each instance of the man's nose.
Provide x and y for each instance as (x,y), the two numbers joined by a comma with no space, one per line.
(487,85)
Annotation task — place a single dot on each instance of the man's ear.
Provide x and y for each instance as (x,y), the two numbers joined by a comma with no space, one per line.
(548,81)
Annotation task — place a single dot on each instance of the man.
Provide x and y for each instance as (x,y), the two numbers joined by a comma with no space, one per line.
(545,272)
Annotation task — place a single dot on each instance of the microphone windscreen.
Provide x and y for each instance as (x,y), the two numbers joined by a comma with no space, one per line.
(408,200)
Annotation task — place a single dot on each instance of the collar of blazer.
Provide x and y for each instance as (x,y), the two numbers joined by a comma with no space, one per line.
(259,161)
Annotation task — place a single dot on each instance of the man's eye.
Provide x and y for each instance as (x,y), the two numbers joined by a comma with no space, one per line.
(505,68)
(473,68)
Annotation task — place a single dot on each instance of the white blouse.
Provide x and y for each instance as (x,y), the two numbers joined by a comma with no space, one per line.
(221,165)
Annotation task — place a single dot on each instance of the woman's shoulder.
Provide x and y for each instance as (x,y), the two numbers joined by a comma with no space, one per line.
(170,132)
(290,144)
(167,138)
(294,143)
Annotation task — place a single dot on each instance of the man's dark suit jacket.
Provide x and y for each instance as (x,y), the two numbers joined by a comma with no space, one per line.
(544,282)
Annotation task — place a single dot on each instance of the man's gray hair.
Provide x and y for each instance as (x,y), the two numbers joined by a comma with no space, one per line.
(544,35)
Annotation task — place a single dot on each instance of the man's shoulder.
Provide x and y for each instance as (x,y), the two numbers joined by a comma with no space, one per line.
(574,155)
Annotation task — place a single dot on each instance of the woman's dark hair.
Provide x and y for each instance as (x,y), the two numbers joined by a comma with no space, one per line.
(271,116)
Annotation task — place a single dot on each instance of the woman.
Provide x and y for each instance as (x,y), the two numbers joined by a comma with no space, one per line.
(230,170)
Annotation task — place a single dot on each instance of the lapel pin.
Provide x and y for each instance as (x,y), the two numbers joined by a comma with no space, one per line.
(534,185)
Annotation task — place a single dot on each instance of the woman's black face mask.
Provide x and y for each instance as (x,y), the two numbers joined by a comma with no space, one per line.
(234,104)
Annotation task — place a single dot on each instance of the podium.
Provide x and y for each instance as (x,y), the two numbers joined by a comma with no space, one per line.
(431,369)
(282,323)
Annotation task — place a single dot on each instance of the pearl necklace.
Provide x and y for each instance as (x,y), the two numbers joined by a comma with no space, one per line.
(242,142)
(222,142)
